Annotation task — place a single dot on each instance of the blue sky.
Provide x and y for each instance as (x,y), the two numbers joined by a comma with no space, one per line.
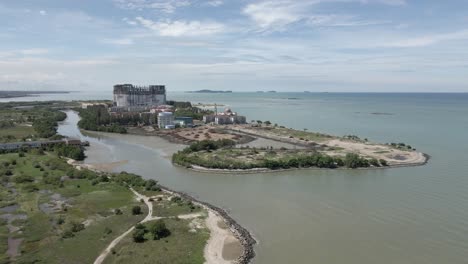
(243,45)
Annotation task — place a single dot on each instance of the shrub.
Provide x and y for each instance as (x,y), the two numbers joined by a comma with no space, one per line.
(76,227)
(159,230)
(374,162)
(30,187)
(383,162)
(118,211)
(107,231)
(355,161)
(67,234)
(140,226)
(138,235)
(136,210)
(60,220)
(24,179)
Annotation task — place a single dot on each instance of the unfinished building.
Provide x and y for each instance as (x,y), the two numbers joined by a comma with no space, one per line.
(130,96)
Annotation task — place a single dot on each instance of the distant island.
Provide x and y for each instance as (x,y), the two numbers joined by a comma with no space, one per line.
(14,94)
(209,91)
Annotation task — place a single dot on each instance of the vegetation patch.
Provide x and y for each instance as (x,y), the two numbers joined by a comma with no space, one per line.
(179,246)
(81,220)
(166,206)
(222,155)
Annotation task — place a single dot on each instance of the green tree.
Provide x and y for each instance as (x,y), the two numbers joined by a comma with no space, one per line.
(136,210)
(138,235)
(159,230)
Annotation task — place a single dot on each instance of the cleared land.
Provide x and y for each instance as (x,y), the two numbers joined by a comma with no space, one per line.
(339,146)
(293,150)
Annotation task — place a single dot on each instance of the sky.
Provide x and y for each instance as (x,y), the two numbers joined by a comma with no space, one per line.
(243,45)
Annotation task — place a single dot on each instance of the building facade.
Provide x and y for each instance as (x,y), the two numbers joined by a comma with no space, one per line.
(166,120)
(128,96)
(184,121)
(225,118)
(40,144)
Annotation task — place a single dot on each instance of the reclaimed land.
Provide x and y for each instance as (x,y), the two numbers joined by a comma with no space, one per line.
(306,150)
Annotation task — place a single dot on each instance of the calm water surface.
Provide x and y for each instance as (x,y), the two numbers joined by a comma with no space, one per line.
(405,215)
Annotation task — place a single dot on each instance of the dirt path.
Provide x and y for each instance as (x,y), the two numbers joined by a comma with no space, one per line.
(149,217)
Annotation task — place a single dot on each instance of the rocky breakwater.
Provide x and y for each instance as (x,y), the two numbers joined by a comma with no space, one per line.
(242,234)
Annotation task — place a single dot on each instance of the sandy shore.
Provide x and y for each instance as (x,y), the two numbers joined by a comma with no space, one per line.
(229,242)
(222,247)
(101,167)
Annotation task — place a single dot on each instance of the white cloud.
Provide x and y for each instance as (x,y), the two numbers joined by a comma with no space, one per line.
(391,2)
(341,21)
(32,77)
(130,22)
(34,51)
(180,28)
(119,41)
(277,15)
(274,14)
(429,40)
(43,12)
(215,3)
(166,6)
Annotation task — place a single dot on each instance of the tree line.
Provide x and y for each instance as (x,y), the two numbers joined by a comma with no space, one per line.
(188,157)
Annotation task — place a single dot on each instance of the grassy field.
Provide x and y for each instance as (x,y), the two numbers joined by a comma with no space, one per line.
(63,215)
(167,207)
(183,246)
(17,118)
(75,201)
(16,133)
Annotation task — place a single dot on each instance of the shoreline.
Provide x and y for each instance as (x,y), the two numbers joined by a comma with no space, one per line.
(197,168)
(242,234)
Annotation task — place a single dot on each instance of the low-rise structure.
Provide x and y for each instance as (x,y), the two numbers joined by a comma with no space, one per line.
(165,120)
(162,108)
(86,105)
(184,121)
(40,144)
(225,118)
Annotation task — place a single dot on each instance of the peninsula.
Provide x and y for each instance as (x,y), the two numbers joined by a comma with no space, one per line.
(223,141)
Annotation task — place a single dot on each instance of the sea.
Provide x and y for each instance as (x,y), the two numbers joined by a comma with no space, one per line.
(400,216)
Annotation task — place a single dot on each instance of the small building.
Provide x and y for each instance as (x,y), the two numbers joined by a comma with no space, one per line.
(225,118)
(40,144)
(86,105)
(165,119)
(184,121)
(162,108)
